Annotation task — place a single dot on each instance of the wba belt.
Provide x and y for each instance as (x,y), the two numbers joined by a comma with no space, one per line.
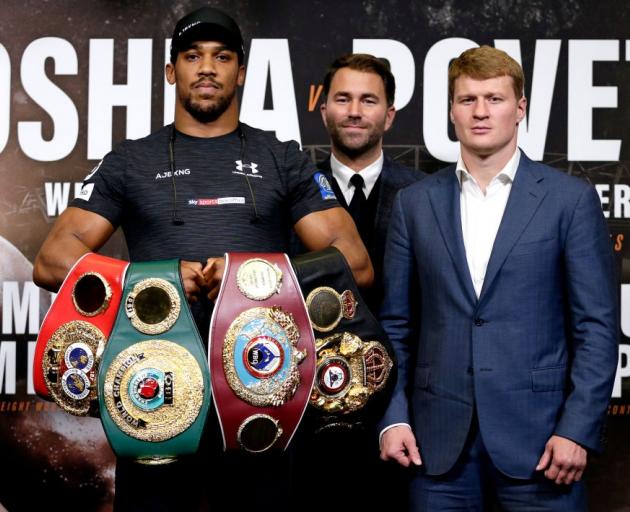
(354,356)
(74,333)
(154,389)
(262,357)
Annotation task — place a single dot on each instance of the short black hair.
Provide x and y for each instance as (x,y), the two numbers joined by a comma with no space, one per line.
(366,63)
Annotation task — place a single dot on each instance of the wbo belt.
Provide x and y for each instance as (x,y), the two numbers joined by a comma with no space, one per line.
(262,356)
(74,333)
(153,384)
(354,355)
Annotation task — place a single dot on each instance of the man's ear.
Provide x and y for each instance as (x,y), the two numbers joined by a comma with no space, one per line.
(521,109)
(389,117)
(169,71)
(322,111)
(240,79)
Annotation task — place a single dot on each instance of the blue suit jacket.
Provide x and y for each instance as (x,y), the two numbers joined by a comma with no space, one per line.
(536,354)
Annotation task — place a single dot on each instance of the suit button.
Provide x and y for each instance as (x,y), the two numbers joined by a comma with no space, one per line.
(470,370)
(479,322)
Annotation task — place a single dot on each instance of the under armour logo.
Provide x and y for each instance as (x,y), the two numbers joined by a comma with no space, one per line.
(240,166)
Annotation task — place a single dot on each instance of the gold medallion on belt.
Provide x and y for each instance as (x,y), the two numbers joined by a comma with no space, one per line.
(154,390)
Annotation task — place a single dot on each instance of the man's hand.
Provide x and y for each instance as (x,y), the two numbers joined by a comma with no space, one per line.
(399,444)
(563,460)
(213,275)
(192,278)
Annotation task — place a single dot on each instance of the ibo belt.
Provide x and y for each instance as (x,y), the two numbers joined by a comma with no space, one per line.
(153,383)
(262,353)
(75,331)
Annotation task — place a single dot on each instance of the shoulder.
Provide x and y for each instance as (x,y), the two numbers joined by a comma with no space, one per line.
(158,138)
(552,178)
(443,177)
(267,139)
(401,173)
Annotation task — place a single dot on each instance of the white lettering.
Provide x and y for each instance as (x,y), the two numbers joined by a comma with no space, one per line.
(135,95)
(5,97)
(16,311)
(7,367)
(623,369)
(30,387)
(169,90)
(51,98)
(601,190)
(532,132)
(584,97)
(269,59)
(400,60)
(56,197)
(622,201)
(435,97)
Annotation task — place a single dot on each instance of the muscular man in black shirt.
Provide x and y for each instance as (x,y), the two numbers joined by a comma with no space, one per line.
(206,185)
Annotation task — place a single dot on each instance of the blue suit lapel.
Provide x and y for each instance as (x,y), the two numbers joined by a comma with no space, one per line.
(525,197)
(444,197)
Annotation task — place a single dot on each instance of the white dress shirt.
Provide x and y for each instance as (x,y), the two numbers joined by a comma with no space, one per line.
(343,174)
(481,215)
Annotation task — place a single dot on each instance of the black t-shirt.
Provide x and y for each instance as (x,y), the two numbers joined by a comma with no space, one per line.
(133,188)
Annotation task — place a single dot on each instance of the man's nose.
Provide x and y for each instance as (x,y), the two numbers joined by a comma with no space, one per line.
(354,108)
(206,65)
(481,109)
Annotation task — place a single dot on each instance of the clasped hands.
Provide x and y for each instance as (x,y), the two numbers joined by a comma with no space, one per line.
(201,279)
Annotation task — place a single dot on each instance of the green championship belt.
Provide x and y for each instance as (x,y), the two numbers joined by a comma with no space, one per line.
(153,383)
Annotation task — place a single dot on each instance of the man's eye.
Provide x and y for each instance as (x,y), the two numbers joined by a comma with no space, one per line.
(223,58)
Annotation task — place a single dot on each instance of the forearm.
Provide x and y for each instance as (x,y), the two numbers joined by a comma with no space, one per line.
(75,233)
(357,257)
(55,259)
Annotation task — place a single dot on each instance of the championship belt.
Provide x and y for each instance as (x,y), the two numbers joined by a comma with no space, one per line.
(262,357)
(74,333)
(354,356)
(153,382)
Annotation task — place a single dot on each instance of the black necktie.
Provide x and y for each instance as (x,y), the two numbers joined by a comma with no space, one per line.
(358,205)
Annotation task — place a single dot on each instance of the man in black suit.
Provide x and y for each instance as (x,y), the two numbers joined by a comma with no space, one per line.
(358,109)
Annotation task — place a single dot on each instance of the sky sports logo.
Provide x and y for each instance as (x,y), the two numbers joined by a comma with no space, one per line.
(217,201)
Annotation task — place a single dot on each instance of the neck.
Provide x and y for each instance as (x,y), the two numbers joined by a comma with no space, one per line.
(226,123)
(358,162)
(485,167)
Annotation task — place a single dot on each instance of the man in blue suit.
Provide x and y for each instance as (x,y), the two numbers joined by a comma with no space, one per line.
(506,366)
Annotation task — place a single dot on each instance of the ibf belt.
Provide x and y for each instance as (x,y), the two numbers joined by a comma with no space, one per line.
(354,357)
(75,331)
(262,353)
(153,382)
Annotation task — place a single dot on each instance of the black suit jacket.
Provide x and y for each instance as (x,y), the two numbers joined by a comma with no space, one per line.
(393,177)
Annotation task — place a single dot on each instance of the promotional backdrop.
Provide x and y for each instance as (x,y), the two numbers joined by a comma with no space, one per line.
(77,77)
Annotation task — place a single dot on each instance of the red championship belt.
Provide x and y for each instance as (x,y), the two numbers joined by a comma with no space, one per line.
(262,352)
(74,332)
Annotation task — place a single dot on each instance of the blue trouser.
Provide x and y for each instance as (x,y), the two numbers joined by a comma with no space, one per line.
(475,484)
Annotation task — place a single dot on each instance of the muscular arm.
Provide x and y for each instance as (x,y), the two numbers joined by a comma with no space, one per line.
(334,227)
(75,233)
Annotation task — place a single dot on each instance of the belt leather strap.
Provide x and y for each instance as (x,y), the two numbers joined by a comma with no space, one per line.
(355,364)
(74,332)
(262,355)
(154,387)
